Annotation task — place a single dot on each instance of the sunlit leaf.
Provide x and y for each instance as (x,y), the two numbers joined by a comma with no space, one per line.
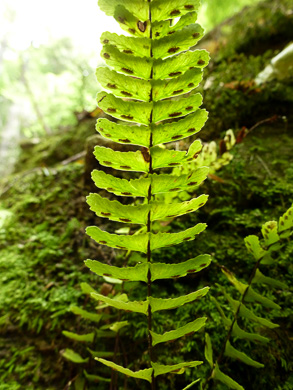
(261,278)
(177,65)
(250,295)
(187,329)
(158,304)
(89,337)
(85,314)
(116,326)
(160,369)
(246,313)
(162,158)
(130,23)
(175,108)
(166,9)
(208,351)
(177,42)
(73,356)
(168,271)
(270,233)
(135,306)
(133,46)
(161,240)
(221,377)
(131,111)
(127,64)
(231,352)
(134,274)
(163,28)
(140,187)
(163,89)
(139,8)
(125,161)
(286,223)
(253,246)
(123,86)
(142,374)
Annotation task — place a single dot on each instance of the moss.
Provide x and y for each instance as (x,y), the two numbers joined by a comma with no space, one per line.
(56,147)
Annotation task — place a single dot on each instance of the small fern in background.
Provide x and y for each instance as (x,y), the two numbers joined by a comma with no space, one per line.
(275,236)
(152,84)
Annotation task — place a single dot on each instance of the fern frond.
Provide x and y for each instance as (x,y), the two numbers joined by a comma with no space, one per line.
(150,92)
(273,235)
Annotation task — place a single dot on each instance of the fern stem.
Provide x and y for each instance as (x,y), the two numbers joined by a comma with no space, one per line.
(149,225)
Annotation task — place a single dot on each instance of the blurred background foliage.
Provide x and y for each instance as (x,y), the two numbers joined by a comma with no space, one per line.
(47,134)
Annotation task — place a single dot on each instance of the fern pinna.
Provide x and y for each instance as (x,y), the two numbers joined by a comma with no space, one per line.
(152,84)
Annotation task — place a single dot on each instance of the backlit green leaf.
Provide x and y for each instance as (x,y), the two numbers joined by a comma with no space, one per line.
(135,306)
(131,23)
(131,111)
(162,158)
(125,134)
(117,211)
(160,369)
(124,86)
(251,295)
(177,65)
(166,9)
(134,274)
(177,107)
(161,210)
(89,338)
(177,42)
(253,246)
(139,242)
(242,334)
(286,223)
(126,63)
(231,352)
(208,351)
(162,133)
(86,314)
(139,8)
(142,374)
(158,304)
(122,187)
(163,28)
(270,233)
(140,47)
(171,183)
(116,326)
(221,377)
(246,313)
(102,354)
(73,356)
(168,271)
(187,329)
(160,183)
(163,89)
(86,288)
(119,241)
(125,161)
(161,240)
(261,278)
